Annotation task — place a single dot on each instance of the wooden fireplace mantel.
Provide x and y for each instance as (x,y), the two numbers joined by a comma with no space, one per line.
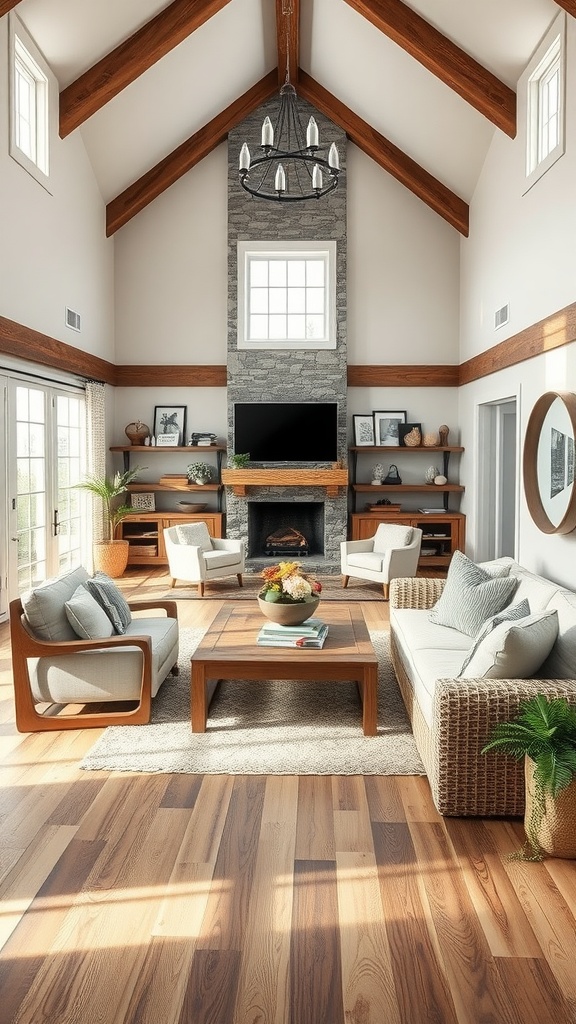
(241,479)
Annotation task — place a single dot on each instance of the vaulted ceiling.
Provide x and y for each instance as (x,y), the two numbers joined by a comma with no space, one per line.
(154,86)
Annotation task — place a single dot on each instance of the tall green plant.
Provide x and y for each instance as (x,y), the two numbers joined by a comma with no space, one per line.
(544,731)
(109,490)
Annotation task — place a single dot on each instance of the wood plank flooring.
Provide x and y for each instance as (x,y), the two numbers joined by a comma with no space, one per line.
(133,899)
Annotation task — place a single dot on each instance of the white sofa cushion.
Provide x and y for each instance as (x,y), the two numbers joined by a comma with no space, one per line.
(392,535)
(415,631)
(561,662)
(87,618)
(537,590)
(44,606)
(515,611)
(514,650)
(470,596)
(220,559)
(428,667)
(372,560)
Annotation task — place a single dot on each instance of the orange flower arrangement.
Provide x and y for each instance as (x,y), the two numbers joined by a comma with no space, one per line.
(287,584)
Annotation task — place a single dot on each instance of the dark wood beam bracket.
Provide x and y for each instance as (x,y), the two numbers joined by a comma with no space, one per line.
(7,5)
(128,376)
(453,66)
(142,192)
(568,5)
(393,376)
(288,39)
(131,59)
(26,343)
(423,184)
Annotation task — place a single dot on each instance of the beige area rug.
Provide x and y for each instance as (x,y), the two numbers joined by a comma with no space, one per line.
(266,728)
(227,589)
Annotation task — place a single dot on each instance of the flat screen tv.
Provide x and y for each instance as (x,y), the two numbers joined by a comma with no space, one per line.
(275,432)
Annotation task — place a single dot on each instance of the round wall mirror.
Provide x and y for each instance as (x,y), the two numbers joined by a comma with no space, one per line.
(549,462)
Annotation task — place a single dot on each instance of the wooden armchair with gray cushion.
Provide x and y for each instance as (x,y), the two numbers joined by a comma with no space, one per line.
(392,552)
(74,642)
(196,557)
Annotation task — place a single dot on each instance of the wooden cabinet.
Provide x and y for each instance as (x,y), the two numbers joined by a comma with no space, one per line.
(144,533)
(443,533)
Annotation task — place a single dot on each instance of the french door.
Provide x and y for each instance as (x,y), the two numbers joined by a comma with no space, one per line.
(46,444)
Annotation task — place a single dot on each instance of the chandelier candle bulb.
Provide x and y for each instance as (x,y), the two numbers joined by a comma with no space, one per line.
(244,158)
(267,134)
(312,141)
(280,179)
(334,157)
(316,177)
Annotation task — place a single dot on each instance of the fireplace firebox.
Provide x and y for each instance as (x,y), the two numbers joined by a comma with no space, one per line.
(285,529)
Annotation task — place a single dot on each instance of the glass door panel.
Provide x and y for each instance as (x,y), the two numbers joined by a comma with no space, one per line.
(31,496)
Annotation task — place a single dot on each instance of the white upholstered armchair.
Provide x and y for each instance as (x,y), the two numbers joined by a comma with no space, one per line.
(393,552)
(196,557)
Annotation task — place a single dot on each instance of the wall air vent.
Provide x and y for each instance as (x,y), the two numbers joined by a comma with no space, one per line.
(501,316)
(72,319)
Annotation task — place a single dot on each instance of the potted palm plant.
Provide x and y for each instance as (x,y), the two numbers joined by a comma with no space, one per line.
(544,733)
(111,555)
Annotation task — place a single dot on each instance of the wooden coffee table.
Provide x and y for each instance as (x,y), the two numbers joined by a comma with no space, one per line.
(229,651)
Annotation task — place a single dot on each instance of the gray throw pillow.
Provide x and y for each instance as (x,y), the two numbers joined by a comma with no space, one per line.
(470,596)
(516,611)
(515,650)
(88,620)
(111,599)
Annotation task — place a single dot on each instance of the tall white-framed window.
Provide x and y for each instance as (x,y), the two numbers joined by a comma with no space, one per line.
(545,89)
(33,97)
(287,295)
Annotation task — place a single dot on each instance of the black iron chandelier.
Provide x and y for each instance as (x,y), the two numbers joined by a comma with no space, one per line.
(291,168)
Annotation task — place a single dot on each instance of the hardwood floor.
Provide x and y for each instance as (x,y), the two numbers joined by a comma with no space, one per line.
(132,899)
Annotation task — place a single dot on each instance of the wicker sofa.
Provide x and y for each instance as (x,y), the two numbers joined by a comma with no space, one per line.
(452,717)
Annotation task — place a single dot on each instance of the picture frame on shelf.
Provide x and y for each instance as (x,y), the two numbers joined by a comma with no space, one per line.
(143,501)
(363,430)
(386,427)
(406,428)
(169,420)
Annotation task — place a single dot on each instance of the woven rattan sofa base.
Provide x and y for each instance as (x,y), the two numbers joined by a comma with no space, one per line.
(464,782)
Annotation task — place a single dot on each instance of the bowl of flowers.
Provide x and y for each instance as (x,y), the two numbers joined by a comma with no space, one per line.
(289,596)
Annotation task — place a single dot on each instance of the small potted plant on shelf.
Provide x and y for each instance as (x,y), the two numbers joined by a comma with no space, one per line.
(199,472)
(239,461)
(544,733)
(110,555)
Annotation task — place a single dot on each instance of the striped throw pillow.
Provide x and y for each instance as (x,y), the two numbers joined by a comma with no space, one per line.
(111,599)
(470,596)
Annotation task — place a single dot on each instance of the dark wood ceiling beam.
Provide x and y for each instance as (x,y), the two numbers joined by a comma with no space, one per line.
(423,184)
(174,376)
(288,39)
(396,376)
(131,59)
(26,343)
(142,192)
(7,5)
(453,66)
(568,5)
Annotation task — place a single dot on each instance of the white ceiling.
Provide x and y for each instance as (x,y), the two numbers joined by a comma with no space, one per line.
(338,47)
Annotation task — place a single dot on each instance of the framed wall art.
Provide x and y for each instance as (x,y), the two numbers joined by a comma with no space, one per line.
(169,420)
(386,428)
(363,430)
(548,465)
(143,501)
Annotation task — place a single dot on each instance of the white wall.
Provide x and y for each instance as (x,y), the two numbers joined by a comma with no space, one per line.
(521,251)
(53,248)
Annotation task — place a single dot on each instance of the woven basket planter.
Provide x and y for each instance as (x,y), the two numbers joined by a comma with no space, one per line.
(556,831)
(111,557)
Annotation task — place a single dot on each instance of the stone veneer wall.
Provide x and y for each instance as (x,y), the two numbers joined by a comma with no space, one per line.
(288,375)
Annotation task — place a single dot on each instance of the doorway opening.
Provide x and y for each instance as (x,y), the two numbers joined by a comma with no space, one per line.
(497,479)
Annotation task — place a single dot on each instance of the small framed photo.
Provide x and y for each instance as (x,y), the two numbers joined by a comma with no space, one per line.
(363,430)
(405,428)
(143,501)
(386,427)
(170,420)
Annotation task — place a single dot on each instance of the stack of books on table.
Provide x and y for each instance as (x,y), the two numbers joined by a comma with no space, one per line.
(311,633)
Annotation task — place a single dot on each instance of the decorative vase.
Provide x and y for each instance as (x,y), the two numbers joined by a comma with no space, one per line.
(413,438)
(431,474)
(137,432)
(443,430)
(555,829)
(289,614)
(430,440)
(111,557)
